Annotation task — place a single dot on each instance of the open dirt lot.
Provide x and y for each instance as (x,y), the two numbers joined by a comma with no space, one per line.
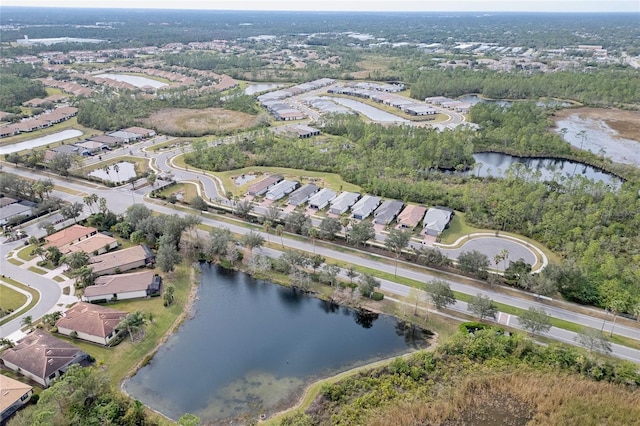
(210,120)
(626,123)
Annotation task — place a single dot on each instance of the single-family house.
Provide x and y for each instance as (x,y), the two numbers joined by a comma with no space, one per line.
(363,208)
(263,185)
(127,137)
(419,110)
(91,146)
(94,245)
(387,211)
(145,133)
(302,194)
(281,189)
(122,260)
(94,323)
(301,131)
(436,220)
(13,395)
(321,199)
(124,286)
(69,235)
(343,202)
(107,140)
(14,211)
(411,216)
(6,131)
(5,201)
(42,357)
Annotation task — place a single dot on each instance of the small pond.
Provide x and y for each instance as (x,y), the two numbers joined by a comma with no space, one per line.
(251,347)
(43,140)
(368,111)
(125,172)
(496,165)
(135,80)
(242,179)
(252,89)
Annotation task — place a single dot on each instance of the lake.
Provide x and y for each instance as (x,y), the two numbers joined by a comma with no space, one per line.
(368,111)
(496,165)
(252,89)
(135,80)
(43,140)
(125,172)
(251,347)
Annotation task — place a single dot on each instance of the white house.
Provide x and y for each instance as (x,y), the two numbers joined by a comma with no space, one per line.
(124,286)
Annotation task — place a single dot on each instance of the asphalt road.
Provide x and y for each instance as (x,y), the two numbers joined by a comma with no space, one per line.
(120,198)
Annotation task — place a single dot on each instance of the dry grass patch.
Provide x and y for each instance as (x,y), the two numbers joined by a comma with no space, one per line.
(210,120)
(626,123)
(519,398)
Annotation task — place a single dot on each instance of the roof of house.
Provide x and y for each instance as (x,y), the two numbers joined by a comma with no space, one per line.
(108,285)
(15,209)
(411,216)
(11,391)
(301,194)
(281,188)
(322,197)
(345,200)
(366,205)
(124,135)
(106,139)
(139,130)
(117,258)
(264,183)
(67,235)
(91,319)
(89,245)
(90,144)
(437,219)
(388,210)
(5,201)
(65,149)
(40,354)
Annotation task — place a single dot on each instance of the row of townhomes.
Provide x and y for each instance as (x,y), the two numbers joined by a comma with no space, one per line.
(384,212)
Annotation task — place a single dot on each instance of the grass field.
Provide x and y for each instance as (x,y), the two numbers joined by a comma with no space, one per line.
(210,120)
(187,190)
(35,298)
(11,299)
(25,253)
(37,270)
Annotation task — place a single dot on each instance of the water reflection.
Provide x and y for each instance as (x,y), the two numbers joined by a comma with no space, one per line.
(252,346)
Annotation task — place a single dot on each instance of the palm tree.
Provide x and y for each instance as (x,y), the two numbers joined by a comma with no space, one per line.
(313,235)
(267,227)
(279,232)
(116,168)
(251,241)
(134,323)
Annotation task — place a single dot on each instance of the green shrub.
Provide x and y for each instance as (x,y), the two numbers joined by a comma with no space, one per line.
(377,296)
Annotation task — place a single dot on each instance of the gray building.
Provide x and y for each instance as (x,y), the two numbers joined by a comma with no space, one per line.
(260,188)
(387,211)
(363,208)
(436,220)
(321,199)
(302,194)
(343,202)
(281,189)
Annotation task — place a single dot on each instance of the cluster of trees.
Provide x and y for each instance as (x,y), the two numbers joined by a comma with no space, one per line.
(113,111)
(18,86)
(608,86)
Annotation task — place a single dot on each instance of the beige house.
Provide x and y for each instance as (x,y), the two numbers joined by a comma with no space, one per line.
(69,235)
(124,286)
(42,357)
(13,395)
(122,260)
(95,244)
(94,323)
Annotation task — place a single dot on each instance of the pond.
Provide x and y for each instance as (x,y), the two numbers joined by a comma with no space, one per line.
(125,172)
(252,89)
(496,165)
(251,347)
(596,136)
(243,179)
(43,140)
(134,80)
(368,111)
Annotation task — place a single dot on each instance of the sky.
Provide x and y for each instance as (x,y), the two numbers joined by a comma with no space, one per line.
(354,5)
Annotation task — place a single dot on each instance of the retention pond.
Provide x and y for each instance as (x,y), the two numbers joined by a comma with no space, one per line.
(251,347)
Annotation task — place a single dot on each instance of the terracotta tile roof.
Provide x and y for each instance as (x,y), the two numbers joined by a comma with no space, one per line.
(68,235)
(89,245)
(41,354)
(11,391)
(92,319)
(108,285)
(411,216)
